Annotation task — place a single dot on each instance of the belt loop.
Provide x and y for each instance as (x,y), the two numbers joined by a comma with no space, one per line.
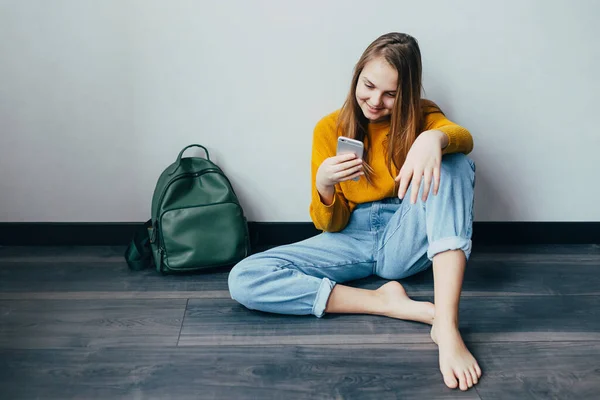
(373,217)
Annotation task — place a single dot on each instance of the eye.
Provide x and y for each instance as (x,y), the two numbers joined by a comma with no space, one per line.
(369,85)
(391,94)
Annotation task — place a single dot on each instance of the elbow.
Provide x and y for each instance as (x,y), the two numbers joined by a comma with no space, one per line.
(321,225)
(325,225)
(471,145)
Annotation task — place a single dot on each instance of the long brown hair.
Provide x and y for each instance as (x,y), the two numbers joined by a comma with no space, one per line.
(402,52)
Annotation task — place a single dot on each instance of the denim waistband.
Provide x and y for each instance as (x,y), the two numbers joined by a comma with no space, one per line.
(387,200)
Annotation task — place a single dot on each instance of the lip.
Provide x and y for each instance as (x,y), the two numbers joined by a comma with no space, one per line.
(373,110)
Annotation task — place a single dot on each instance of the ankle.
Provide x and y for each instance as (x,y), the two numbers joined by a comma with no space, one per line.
(444,322)
(381,305)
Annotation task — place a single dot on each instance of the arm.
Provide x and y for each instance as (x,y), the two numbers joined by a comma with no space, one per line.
(456,139)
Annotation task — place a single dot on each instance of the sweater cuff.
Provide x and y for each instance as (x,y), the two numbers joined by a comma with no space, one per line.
(317,199)
(453,133)
(320,212)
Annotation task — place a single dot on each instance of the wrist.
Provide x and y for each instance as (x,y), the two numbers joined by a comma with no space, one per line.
(439,136)
(325,190)
(326,194)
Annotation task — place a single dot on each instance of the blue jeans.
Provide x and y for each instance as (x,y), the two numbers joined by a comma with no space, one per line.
(390,238)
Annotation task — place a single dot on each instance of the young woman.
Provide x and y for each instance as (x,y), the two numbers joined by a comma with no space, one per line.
(411,207)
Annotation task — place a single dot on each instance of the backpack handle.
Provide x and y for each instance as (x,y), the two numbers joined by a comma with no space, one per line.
(178,162)
(192,145)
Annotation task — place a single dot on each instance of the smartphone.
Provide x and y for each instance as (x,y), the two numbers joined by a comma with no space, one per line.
(346,145)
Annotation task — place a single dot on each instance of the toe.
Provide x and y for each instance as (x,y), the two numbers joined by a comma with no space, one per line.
(478,370)
(474,375)
(449,379)
(462,381)
(469,379)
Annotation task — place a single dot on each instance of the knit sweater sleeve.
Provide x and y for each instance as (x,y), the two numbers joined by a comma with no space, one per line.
(459,138)
(333,217)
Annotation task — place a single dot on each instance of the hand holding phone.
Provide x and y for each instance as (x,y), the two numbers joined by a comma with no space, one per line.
(344,166)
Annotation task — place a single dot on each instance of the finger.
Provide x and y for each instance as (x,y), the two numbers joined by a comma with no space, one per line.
(426,185)
(338,176)
(343,157)
(349,164)
(404,182)
(415,187)
(399,176)
(341,168)
(436,180)
(355,175)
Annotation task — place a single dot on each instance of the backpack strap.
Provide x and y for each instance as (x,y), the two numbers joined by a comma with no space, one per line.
(138,254)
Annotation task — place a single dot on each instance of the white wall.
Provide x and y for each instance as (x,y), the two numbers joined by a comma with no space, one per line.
(98,97)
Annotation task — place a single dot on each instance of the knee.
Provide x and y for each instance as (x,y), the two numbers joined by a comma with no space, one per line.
(239,283)
(458,165)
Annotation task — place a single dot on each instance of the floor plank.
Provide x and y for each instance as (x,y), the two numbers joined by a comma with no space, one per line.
(53,254)
(553,370)
(101,277)
(84,323)
(210,322)
(94,279)
(558,370)
(501,278)
(292,372)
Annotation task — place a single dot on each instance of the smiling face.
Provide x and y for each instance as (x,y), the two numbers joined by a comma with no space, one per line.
(376,89)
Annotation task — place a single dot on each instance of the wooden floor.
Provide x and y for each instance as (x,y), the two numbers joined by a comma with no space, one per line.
(75,323)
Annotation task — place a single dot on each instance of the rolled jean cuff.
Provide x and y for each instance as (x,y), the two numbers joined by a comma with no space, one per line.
(323,293)
(450,243)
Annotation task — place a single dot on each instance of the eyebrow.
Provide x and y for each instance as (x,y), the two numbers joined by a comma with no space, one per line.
(371,83)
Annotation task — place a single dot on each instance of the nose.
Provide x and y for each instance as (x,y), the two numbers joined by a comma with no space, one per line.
(376,100)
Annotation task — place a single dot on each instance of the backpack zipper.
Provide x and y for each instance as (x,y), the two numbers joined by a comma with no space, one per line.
(182,176)
(161,252)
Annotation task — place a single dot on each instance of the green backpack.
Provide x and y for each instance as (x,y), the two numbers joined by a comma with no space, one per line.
(197,221)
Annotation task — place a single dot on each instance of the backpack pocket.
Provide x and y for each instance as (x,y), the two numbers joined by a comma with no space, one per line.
(204,236)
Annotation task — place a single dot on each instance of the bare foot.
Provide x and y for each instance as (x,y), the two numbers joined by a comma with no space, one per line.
(399,305)
(457,364)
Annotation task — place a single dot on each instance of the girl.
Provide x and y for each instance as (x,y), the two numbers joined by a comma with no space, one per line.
(413,205)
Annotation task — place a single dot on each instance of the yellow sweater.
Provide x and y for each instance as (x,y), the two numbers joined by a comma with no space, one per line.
(348,194)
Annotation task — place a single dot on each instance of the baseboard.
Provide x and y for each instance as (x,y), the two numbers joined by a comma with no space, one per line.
(278,233)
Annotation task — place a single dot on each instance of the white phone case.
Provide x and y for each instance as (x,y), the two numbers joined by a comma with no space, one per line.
(346,145)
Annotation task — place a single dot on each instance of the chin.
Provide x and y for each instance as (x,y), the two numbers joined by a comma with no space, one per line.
(368,113)
(373,116)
